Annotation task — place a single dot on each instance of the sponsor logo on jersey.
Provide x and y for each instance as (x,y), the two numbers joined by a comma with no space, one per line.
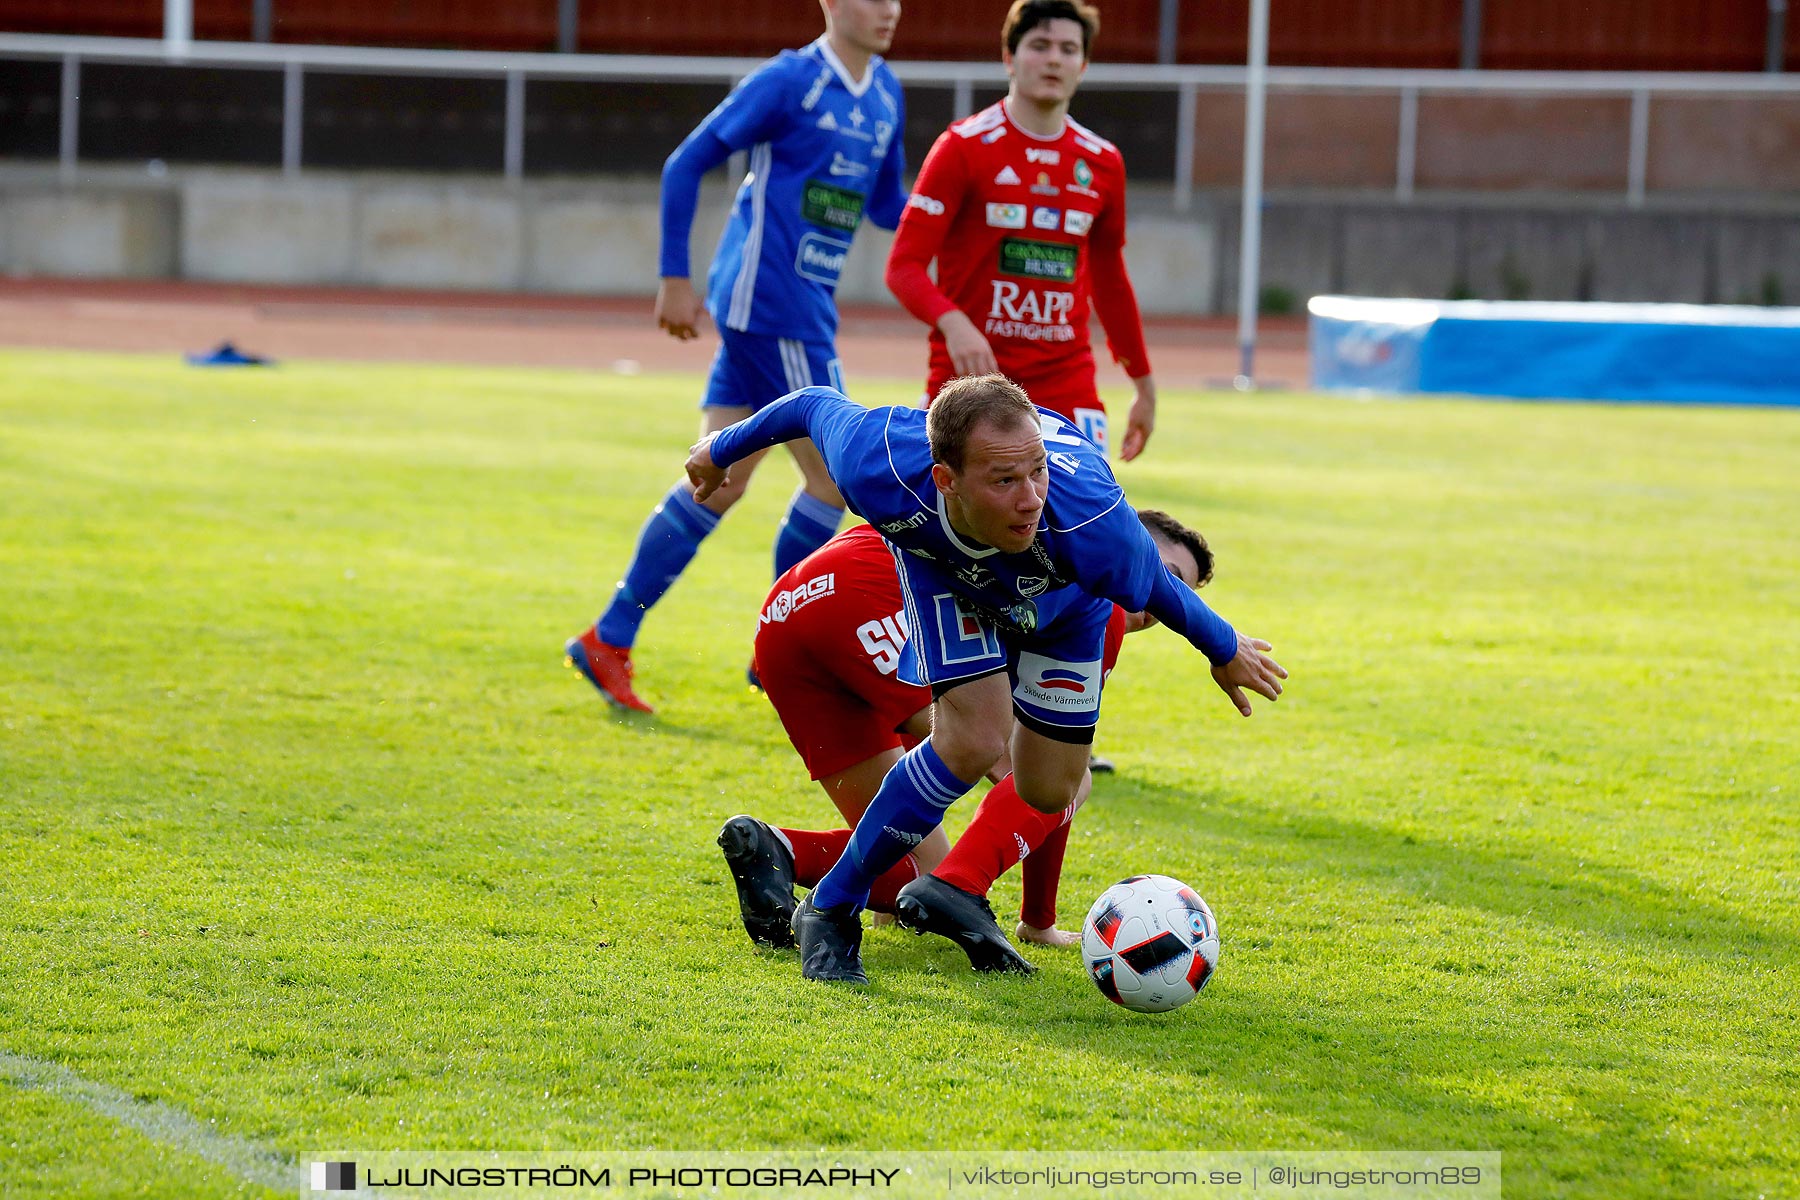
(1021,312)
(976,575)
(1077,222)
(1049,683)
(1046,218)
(834,207)
(817,90)
(912,522)
(820,259)
(1006,216)
(1048,157)
(1043,186)
(783,605)
(1084,174)
(847,166)
(1007,176)
(925,204)
(828,123)
(1039,260)
(993,136)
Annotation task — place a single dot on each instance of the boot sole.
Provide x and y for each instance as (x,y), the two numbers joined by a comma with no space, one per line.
(764,929)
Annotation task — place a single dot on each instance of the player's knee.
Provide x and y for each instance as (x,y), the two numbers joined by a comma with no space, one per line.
(968,749)
(1047,795)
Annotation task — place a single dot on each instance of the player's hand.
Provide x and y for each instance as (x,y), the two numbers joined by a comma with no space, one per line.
(1142,421)
(970,353)
(1253,669)
(706,475)
(678,308)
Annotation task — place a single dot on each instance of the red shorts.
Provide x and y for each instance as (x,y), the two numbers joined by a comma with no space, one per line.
(827,646)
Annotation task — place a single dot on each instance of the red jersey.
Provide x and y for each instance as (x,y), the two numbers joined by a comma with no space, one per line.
(828,648)
(1027,232)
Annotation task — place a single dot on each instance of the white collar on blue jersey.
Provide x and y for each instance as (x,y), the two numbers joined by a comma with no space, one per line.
(956,540)
(855,88)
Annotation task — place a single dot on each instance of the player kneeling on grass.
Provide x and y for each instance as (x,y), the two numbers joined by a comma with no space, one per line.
(1013,543)
(828,648)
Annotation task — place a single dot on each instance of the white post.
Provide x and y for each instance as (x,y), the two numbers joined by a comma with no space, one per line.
(515,126)
(1250,239)
(962,99)
(178,27)
(69,139)
(1637,164)
(1406,164)
(1188,117)
(292,116)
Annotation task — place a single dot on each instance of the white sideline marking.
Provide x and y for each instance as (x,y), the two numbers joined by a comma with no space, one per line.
(158,1122)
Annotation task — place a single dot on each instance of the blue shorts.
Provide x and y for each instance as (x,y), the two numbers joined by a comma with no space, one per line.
(750,371)
(1056,670)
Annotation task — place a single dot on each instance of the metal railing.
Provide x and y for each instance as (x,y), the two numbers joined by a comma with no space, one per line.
(962,78)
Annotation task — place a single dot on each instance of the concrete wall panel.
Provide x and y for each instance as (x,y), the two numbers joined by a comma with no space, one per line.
(94,232)
(451,237)
(268,230)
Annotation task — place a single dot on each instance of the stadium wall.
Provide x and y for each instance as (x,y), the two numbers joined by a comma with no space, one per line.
(599,237)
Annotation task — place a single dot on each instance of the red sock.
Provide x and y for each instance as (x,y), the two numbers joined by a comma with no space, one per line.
(1004,830)
(816,851)
(1041,873)
(887,885)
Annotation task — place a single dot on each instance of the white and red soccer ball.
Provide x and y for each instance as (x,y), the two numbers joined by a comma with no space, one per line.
(1150,943)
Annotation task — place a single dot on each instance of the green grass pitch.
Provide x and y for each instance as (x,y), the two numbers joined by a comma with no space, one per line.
(308,832)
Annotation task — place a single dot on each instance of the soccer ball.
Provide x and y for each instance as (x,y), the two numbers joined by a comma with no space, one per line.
(1150,943)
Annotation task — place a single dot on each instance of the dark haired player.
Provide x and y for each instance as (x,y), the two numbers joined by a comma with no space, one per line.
(1023,208)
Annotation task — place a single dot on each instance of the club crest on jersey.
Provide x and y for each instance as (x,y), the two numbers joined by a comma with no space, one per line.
(1046,218)
(1007,176)
(1084,174)
(1006,216)
(856,117)
(1031,586)
(1077,222)
(1048,157)
(1043,186)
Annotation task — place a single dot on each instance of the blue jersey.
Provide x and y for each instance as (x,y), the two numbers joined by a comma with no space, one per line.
(1089,540)
(824,152)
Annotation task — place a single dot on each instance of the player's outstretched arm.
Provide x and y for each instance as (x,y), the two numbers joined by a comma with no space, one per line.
(1252,668)
(820,413)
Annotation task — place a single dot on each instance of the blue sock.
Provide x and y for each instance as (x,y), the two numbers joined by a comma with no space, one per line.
(909,805)
(665,547)
(809,524)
